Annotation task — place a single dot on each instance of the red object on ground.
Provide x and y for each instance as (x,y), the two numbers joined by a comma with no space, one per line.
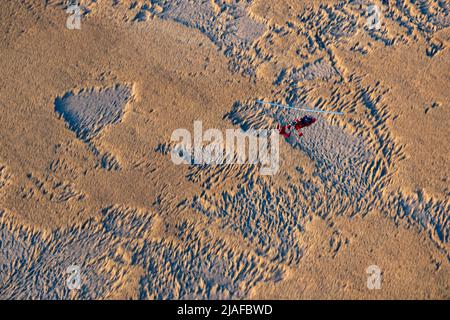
(283,131)
(298,124)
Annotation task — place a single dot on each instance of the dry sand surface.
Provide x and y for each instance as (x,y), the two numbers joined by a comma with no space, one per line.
(86,176)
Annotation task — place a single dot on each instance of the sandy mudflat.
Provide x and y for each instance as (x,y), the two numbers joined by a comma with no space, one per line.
(86,176)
